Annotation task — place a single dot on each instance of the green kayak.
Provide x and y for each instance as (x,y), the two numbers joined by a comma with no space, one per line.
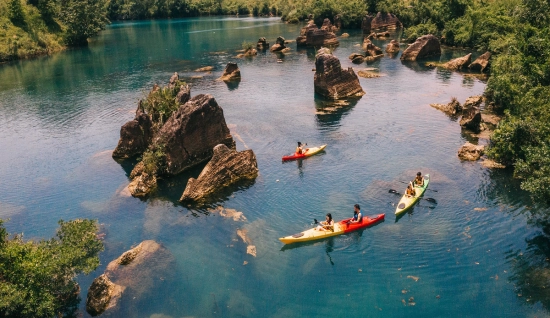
(407,201)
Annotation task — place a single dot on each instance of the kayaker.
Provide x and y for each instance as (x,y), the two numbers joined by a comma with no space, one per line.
(328,224)
(419,180)
(410,190)
(299,149)
(357,216)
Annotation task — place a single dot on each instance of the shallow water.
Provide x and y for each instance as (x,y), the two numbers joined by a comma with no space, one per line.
(479,252)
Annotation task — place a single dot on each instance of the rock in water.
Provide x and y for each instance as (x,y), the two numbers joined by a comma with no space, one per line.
(366,24)
(473,101)
(458,63)
(279,45)
(142,184)
(183,95)
(333,82)
(310,35)
(102,295)
(135,136)
(470,152)
(226,167)
(173,80)
(452,108)
(385,20)
(481,62)
(471,119)
(393,47)
(424,46)
(371,49)
(327,25)
(262,44)
(189,135)
(231,73)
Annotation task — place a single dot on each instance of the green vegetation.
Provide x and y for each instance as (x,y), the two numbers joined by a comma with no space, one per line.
(161,103)
(247,46)
(37,278)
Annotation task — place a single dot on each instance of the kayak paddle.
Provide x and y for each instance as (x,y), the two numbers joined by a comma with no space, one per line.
(432,200)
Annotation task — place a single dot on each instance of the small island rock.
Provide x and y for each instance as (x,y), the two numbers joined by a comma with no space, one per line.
(262,44)
(226,167)
(279,44)
(424,46)
(481,63)
(458,63)
(333,82)
(471,119)
(470,152)
(231,73)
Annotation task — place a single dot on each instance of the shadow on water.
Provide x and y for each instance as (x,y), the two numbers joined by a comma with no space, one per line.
(232,85)
(220,195)
(329,113)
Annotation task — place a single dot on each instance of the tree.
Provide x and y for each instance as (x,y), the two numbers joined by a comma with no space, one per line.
(37,278)
(84,19)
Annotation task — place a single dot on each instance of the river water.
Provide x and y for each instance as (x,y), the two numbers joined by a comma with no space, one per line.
(481,251)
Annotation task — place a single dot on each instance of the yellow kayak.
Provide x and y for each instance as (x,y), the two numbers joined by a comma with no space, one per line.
(407,201)
(309,152)
(313,234)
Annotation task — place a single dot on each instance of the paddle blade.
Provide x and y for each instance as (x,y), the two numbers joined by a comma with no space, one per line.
(392,191)
(432,200)
(315,221)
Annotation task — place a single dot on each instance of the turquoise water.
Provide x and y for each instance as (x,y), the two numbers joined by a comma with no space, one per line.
(481,251)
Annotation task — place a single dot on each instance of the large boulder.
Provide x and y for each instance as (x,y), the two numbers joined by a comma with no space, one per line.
(471,119)
(470,152)
(393,47)
(142,182)
(370,48)
(310,35)
(333,82)
(262,44)
(424,46)
(458,63)
(135,135)
(453,108)
(137,272)
(385,20)
(226,167)
(189,135)
(279,45)
(366,24)
(231,73)
(481,63)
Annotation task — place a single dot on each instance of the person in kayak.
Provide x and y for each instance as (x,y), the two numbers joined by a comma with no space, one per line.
(300,149)
(357,216)
(419,180)
(328,224)
(410,190)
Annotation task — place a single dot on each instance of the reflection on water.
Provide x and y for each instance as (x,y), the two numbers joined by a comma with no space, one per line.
(330,113)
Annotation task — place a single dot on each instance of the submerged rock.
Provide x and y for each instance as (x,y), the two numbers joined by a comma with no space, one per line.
(370,48)
(262,44)
(333,82)
(205,69)
(102,295)
(470,152)
(424,46)
(226,167)
(393,47)
(458,63)
(279,45)
(231,73)
(481,63)
(135,135)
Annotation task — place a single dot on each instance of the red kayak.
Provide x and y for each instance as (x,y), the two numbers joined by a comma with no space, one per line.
(366,222)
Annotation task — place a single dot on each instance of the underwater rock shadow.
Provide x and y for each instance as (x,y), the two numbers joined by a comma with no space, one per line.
(329,113)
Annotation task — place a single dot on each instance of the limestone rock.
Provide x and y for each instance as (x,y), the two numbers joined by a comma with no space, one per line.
(366,24)
(481,63)
(473,101)
(173,80)
(458,63)
(231,73)
(142,184)
(393,47)
(471,119)
(135,136)
(358,59)
(226,167)
(102,295)
(367,74)
(279,45)
(488,163)
(189,135)
(345,35)
(470,152)
(424,46)
(371,49)
(327,25)
(382,34)
(205,69)
(310,35)
(385,20)
(183,95)
(373,58)
(452,108)
(333,82)
(262,44)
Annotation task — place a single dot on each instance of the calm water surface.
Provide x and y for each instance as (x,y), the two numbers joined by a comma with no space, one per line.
(482,251)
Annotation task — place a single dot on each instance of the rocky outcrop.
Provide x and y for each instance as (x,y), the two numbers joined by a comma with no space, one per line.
(371,49)
(173,80)
(368,74)
(471,119)
(142,182)
(345,35)
(183,95)
(205,69)
(279,45)
(102,295)
(481,63)
(327,25)
(458,63)
(262,44)
(248,53)
(470,152)
(189,135)
(393,47)
(424,46)
(366,24)
(135,135)
(226,167)
(310,35)
(333,82)
(453,108)
(231,73)
(385,20)
(357,58)
(136,273)
(473,101)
